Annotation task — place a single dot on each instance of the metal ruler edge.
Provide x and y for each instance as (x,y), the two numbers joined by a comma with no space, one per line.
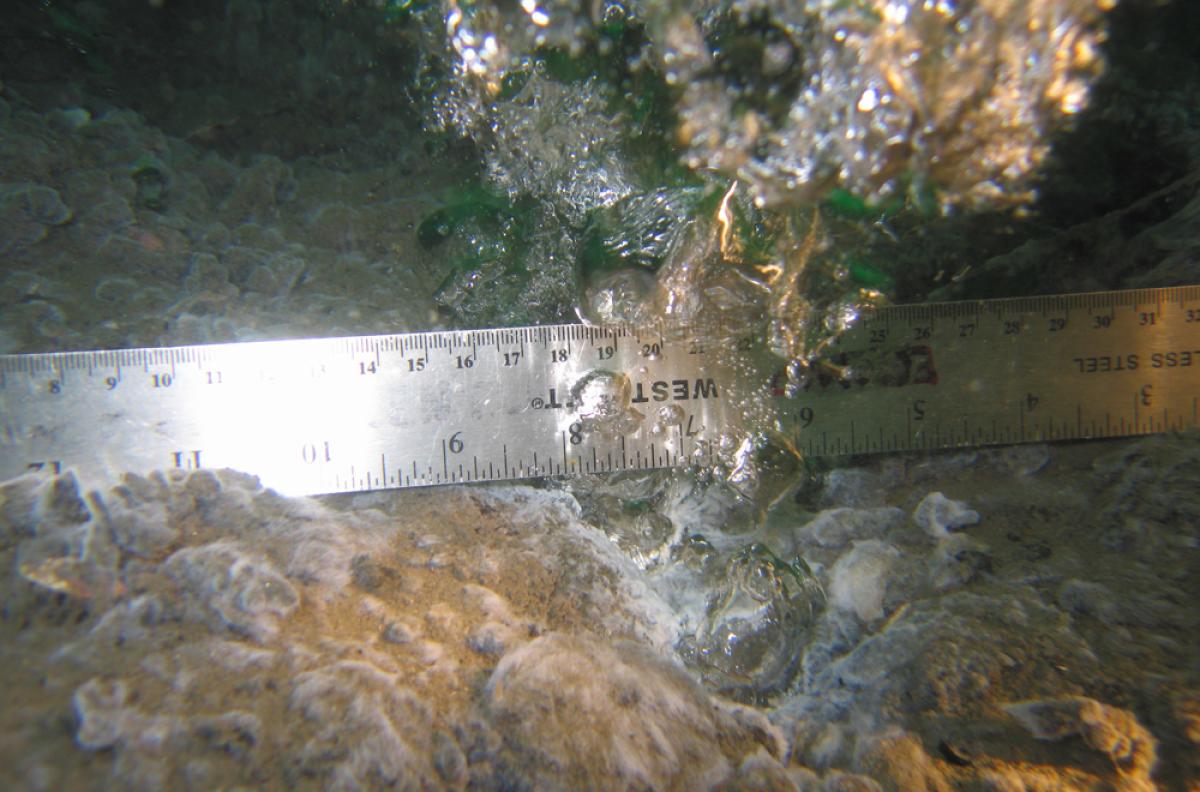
(436,407)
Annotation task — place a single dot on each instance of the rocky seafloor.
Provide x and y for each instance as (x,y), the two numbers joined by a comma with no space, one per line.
(999,619)
(1029,625)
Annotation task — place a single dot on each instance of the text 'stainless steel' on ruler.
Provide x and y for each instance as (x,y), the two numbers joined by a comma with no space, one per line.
(417,409)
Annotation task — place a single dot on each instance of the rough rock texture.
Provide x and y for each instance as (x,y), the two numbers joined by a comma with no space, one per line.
(198,631)
(577,714)
(266,639)
(1009,626)
(114,234)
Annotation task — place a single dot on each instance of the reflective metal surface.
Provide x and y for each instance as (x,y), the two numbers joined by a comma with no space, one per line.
(345,414)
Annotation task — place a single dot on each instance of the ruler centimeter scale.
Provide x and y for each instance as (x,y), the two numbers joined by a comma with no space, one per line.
(416,409)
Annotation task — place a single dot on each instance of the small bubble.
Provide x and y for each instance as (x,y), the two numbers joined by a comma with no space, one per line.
(666,417)
(601,400)
(671,413)
(868,101)
(601,394)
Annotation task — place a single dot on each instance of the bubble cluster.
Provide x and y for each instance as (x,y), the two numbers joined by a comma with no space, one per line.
(881,96)
(600,402)
(490,39)
(691,160)
(757,622)
(680,151)
(953,99)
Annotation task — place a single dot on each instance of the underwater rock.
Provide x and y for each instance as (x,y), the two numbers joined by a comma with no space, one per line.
(139,526)
(153,180)
(838,781)
(338,227)
(1084,597)
(207,274)
(257,606)
(106,721)
(122,247)
(276,275)
(899,758)
(761,772)
(389,619)
(1152,506)
(1020,460)
(1186,707)
(27,212)
(837,527)
(121,137)
(859,578)
(958,560)
(259,192)
(108,215)
(366,729)
(857,488)
(650,725)
(946,654)
(100,709)
(939,515)
(64,549)
(1114,732)
(231,589)
(148,746)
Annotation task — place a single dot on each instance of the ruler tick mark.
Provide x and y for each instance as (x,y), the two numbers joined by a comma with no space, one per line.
(1073,400)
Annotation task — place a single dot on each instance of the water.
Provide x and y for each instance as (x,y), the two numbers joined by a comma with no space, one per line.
(179,173)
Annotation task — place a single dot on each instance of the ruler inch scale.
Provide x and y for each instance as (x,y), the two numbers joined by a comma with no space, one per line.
(324,415)
(1011,370)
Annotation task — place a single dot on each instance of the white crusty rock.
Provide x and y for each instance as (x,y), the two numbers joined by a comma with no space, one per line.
(859,579)
(1112,731)
(940,515)
(576,713)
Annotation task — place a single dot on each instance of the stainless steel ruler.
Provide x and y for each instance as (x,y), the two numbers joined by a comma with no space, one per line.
(417,409)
